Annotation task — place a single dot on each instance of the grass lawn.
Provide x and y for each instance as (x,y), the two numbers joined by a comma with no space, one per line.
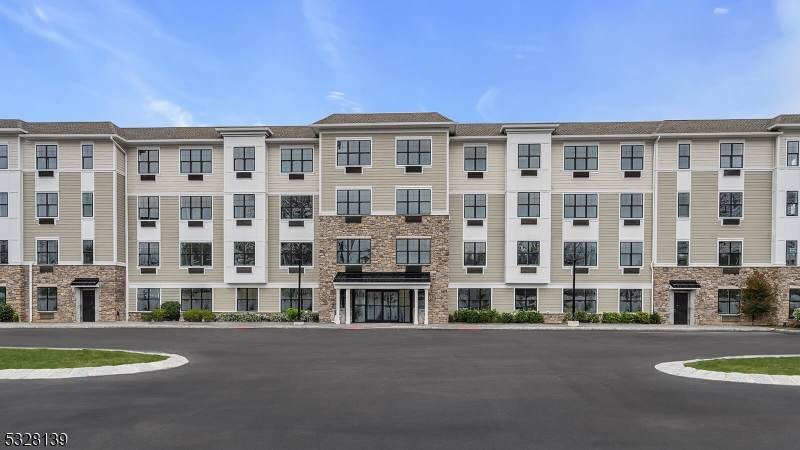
(768,366)
(38,358)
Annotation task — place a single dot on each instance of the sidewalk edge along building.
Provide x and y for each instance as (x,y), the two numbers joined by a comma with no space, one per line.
(398,217)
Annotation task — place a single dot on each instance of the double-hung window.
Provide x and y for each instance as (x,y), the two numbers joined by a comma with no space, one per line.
(4,251)
(88,251)
(3,156)
(632,157)
(87,200)
(3,204)
(631,206)
(47,252)
(244,253)
(731,156)
(297,207)
(196,208)
(684,156)
(148,299)
(527,204)
(297,160)
(196,298)
(730,204)
(474,298)
(683,253)
(475,254)
(527,253)
(87,156)
(297,253)
(474,206)
(196,161)
(529,156)
(353,153)
(353,251)
(584,299)
(792,153)
(148,207)
(148,162)
(791,253)
(413,201)
(794,301)
(580,157)
(46,204)
(149,254)
(195,254)
(47,298)
(730,253)
(297,299)
(630,254)
(525,299)
(791,203)
(728,301)
(475,159)
(684,203)
(46,157)
(244,206)
(580,206)
(247,299)
(244,159)
(355,202)
(413,251)
(414,152)
(630,300)
(584,254)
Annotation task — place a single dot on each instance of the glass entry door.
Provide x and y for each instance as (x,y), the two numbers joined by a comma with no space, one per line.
(382,306)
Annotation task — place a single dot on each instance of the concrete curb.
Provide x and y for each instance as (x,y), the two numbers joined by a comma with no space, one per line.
(679,368)
(171,362)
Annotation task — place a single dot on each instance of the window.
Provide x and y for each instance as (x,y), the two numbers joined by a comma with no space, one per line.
(2,294)
(413,201)
(527,253)
(585,300)
(149,254)
(148,299)
(630,254)
(244,206)
(47,252)
(632,157)
(731,156)
(474,206)
(794,300)
(730,253)
(292,298)
(631,206)
(4,251)
(791,253)
(528,204)
(353,153)
(728,301)
(297,160)
(46,157)
(47,298)
(583,253)
(298,207)
(529,156)
(3,156)
(87,199)
(247,299)
(87,156)
(525,299)
(244,253)
(792,150)
(791,203)
(3,204)
(684,201)
(413,251)
(353,202)
(296,253)
(88,251)
(474,253)
(580,157)
(196,161)
(474,298)
(353,251)
(46,205)
(196,208)
(244,159)
(630,300)
(580,206)
(730,204)
(194,298)
(195,254)
(148,161)
(683,253)
(475,159)
(148,208)
(414,152)
(684,156)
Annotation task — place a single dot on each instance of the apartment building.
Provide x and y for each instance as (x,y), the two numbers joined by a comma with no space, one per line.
(398,217)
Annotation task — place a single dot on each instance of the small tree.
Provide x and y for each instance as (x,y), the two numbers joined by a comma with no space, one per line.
(758,298)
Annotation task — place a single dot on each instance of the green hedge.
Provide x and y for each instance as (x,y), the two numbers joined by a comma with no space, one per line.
(492,316)
(7,313)
(172,311)
(240,317)
(629,317)
(199,315)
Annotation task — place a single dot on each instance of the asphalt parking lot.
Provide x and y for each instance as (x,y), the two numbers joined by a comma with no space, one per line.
(392,389)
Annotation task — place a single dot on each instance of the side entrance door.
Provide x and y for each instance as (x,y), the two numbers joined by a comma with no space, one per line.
(681,309)
(87,305)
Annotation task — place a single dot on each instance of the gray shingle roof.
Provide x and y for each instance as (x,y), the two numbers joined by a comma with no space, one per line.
(11,123)
(478,129)
(715,126)
(601,128)
(787,118)
(293,132)
(71,128)
(417,117)
(166,133)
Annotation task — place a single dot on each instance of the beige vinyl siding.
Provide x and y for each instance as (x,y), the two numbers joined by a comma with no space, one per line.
(103,216)
(557,273)
(169,270)
(609,162)
(667,212)
(120,218)
(224,299)
(120,159)
(68,225)
(503,299)
(668,154)
(70,154)
(280,183)
(383,176)
(13,151)
(495,244)
(705,226)
(549,300)
(169,178)
(452,298)
(269,300)
(608,300)
(276,273)
(167,295)
(494,177)
(133,256)
(103,155)
(759,153)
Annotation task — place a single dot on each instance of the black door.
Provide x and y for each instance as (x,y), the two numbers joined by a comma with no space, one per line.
(87,303)
(681,308)
(382,306)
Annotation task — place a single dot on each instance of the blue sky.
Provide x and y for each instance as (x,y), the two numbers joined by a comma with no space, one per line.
(247,62)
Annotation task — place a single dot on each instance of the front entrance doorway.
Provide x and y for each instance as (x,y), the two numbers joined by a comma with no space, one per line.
(87,305)
(681,308)
(383,305)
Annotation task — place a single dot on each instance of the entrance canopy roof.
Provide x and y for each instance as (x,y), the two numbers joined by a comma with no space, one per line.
(684,284)
(398,280)
(88,282)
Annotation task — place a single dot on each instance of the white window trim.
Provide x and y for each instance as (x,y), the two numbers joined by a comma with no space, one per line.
(58,208)
(313,246)
(179,255)
(419,238)
(465,267)
(94,160)
(411,138)
(94,204)
(516,254)
(464,156)
(564,208)
(353,238)
(540,160)
(258,298)
(785,153)
(619,207)
(280,200)
(421,188)
(36,250)
(187,147)
(619,300)
(210,221)
(677,197)
(158,149)
(159,255)
(180,296)
(689,261)
(596,299)
(719,153)
(597,244)
(729,192)
(678,154)
(464,205)
(516,213)
(137,299)
(579,144)
(491,295)
(644,156)
(727,239)
(313,297)
(159,209)
(58,152)
(296,147)
(336,152)
(352,188)
(619,254)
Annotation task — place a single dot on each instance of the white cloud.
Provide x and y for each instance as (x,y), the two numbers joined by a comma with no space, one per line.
(519,56)
(720,10)
(486,104)
(40,13)
(27,21)
(321,21)
(345,105)
(172,112)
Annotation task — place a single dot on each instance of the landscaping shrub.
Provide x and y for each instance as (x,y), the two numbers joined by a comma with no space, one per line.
(655,318)
(15,317)
(172,310)
(476,316)
(158,315)
(309,316)
(528,317)
(627,317)
(193,315)
(6,313)
(146,317)
(758,298)
(506,317)
(567,317)
(280,317)
(292,313)
(207,315)
(594,318)
(581,316)
(641,317)
(611,317)
(797,314)
(240,317)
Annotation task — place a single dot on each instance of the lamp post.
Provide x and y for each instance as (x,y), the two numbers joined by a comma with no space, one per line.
(573,283)
(299,283)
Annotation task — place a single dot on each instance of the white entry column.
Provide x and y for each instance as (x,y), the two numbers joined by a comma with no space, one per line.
(426,306)
(347,306)
(416,306)
(337,319)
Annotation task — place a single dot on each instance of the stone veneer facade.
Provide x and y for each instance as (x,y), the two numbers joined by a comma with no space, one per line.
(15,279)
(382,231)
(711,279)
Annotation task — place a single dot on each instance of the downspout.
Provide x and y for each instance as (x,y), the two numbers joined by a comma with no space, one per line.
(774,244)
(125,216)
(654,218)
